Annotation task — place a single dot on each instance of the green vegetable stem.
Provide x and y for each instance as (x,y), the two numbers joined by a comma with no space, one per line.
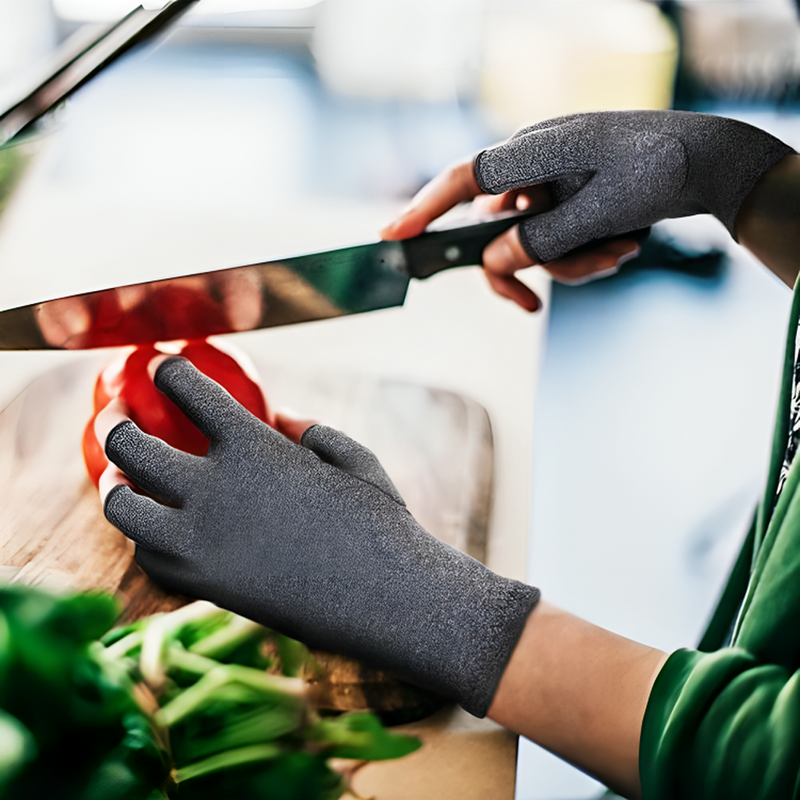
(195,704)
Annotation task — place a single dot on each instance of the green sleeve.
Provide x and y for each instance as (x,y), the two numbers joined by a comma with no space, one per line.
(721,725)
(726,724)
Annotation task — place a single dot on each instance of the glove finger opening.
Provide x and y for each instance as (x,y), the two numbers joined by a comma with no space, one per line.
(203,401)
(143,520)
(537,156)
(152,464)
(344,453)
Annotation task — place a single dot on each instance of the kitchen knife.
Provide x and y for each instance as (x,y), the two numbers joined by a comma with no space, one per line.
(78,60)
(301,288)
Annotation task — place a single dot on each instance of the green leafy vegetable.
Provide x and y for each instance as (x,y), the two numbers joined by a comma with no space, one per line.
(195,704)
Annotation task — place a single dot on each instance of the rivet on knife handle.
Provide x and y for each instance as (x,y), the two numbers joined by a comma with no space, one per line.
(462,246)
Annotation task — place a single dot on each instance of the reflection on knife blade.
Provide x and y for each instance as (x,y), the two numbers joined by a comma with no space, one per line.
(193,307)
(244,298)
(302,288)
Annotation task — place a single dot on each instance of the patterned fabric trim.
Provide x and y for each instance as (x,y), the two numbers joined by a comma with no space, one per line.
(793,443)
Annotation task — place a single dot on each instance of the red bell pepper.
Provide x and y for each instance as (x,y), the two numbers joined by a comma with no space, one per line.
(126,378)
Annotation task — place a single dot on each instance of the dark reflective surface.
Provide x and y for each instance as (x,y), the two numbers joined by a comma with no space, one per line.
(284,292)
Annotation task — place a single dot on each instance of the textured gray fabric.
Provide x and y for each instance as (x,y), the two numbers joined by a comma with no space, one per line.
(314,541)
(612,172)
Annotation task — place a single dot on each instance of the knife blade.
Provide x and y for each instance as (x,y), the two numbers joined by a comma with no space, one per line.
(290,290)
(302,288)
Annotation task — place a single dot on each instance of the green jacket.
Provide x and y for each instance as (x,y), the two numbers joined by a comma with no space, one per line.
(723,721)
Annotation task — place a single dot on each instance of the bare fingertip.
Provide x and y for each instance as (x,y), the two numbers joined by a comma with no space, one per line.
(394,228)
(525,298)
(511,288)
(110,481)
(154,363)
(113,436)
(625,257)
(532,305)
(110,418)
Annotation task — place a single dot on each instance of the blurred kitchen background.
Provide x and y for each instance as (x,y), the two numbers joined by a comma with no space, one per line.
(632,417)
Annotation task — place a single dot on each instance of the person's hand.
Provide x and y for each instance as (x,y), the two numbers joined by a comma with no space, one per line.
(506,256)
(595,176)
(311,539)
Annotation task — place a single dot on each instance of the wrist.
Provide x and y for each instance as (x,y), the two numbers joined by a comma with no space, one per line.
(579,691)
(727,160)
(768,222)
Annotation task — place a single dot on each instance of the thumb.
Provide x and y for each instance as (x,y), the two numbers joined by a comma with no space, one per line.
(342,452)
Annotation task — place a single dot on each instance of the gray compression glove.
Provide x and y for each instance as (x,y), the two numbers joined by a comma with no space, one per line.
(613,172)
(314,541)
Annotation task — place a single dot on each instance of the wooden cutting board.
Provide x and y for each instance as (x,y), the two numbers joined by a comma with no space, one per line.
(436,446)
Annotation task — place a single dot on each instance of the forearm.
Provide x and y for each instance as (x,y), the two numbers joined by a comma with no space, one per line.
(768,223)
(579,691)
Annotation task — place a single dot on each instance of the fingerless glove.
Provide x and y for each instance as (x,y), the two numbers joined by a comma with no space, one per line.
(314,541)
(613,172)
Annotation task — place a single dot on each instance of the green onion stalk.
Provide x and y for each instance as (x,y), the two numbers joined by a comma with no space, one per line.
(194,704)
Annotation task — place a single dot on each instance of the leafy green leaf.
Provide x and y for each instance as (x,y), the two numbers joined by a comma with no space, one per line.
(75,705)
(294,655)
(360,734)
(219,729)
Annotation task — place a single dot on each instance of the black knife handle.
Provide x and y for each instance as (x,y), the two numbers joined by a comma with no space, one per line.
(463,246)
